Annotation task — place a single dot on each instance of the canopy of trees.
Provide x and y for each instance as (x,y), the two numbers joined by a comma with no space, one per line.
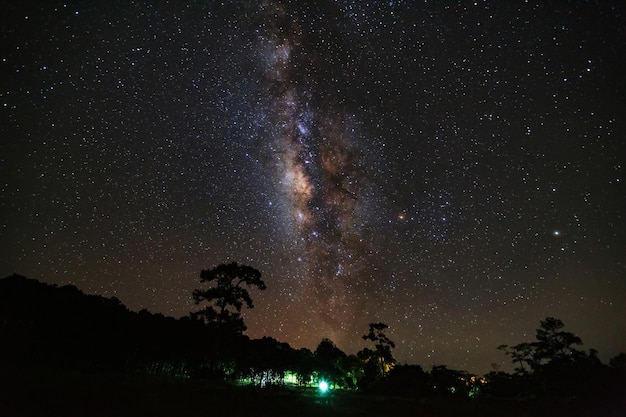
(553,345)
(553,365)
(224,300)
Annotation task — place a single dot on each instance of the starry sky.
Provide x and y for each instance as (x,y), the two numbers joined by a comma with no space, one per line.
(454,169)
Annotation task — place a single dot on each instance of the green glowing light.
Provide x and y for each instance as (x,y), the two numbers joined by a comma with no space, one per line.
(323,386)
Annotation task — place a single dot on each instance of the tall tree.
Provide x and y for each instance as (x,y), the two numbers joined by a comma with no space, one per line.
(555,344)
(552,345)
(226,298)
(330,362)
(553,366)
(382,356)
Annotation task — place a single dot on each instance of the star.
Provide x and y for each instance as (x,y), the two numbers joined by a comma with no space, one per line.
(423,166)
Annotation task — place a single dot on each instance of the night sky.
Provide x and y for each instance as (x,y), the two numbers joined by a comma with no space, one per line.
(454,169)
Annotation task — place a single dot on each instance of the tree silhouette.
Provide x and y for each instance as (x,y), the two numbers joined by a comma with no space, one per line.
(619,362)
(553,345)
(225,300)
(304,365)
(330,362)
(407,381)
(381,357)
(448,382)
(521,354)
(552,366)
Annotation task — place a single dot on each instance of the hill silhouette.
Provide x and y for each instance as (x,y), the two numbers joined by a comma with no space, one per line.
(44,324)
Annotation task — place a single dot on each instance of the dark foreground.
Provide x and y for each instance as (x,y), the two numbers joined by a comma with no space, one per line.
(47,392)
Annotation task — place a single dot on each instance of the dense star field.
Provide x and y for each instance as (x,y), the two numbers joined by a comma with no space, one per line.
(454,169)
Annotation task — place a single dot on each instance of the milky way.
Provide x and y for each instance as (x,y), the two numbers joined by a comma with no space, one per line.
(319,166)
(453,169)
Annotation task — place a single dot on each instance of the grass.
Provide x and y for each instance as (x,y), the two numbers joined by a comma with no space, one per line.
(51,392)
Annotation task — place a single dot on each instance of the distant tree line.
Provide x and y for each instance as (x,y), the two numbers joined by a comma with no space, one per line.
(45,325)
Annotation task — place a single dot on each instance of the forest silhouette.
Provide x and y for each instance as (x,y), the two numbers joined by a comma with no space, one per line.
(64,352)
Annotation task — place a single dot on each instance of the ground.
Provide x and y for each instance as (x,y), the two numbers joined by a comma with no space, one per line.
(34,392)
